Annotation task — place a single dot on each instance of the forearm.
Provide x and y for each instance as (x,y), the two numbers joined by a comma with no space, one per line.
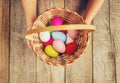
(92,9)
(29,7)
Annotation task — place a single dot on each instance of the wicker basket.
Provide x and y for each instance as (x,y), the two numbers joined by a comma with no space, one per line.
(74,21)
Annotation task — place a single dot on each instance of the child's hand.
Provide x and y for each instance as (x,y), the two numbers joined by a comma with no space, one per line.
(29,7)
(92,8)
(28,43)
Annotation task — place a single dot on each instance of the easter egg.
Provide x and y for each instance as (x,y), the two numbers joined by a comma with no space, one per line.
(50,51)
(44,36)
(69,39)
(49,42)
(71,48)
(59,36)
(59,46)
(51,32)
(57,21)
(72,33)
(64,31)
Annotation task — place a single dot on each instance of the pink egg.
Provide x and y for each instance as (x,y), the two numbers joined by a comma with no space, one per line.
(48,42)
(72,33)
(57,21)
(59,46)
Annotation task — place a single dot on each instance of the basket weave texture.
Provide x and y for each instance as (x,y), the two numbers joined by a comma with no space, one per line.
(70,17)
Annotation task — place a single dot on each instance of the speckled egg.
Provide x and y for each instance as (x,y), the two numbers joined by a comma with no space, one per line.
(59,46)
(44,36)
(69,39)
(49,42)
(59,36)
(57,21)
(72,33)
(50,51)
(71,48)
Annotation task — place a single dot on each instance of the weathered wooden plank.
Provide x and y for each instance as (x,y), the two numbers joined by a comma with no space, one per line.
(50,74)
(22,59)
(4,41)
(57,73)
(81,70)
(103,54)
(43,5)
(115,33)
(43,70)
(57,3)
(74,5)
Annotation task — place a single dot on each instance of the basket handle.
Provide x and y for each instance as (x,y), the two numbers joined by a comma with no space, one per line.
(33,32)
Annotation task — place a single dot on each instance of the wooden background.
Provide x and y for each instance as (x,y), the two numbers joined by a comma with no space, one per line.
(99,64)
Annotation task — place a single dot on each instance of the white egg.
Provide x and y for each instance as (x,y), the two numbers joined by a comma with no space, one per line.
(69,39)
(44,36)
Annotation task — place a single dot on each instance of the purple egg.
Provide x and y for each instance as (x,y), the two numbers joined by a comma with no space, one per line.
(59,46)
(72,33)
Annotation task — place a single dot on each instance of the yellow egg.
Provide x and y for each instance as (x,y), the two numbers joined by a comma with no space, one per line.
(50,51)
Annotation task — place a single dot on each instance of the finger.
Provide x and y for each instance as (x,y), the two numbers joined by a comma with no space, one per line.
(29,43)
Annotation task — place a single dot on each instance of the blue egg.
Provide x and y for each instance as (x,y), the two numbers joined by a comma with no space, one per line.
(59,35)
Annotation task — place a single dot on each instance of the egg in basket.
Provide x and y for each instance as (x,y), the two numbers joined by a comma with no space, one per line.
(59,36)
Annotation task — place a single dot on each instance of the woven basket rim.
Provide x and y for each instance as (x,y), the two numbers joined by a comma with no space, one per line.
(70,59)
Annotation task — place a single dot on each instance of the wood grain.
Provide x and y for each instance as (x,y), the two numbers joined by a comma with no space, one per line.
(100,62)
(57,3)
(22,59)
(43,5)
(81,70)
(115,34)
(57,73)
(4,41)
(103,54)
(43,70)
